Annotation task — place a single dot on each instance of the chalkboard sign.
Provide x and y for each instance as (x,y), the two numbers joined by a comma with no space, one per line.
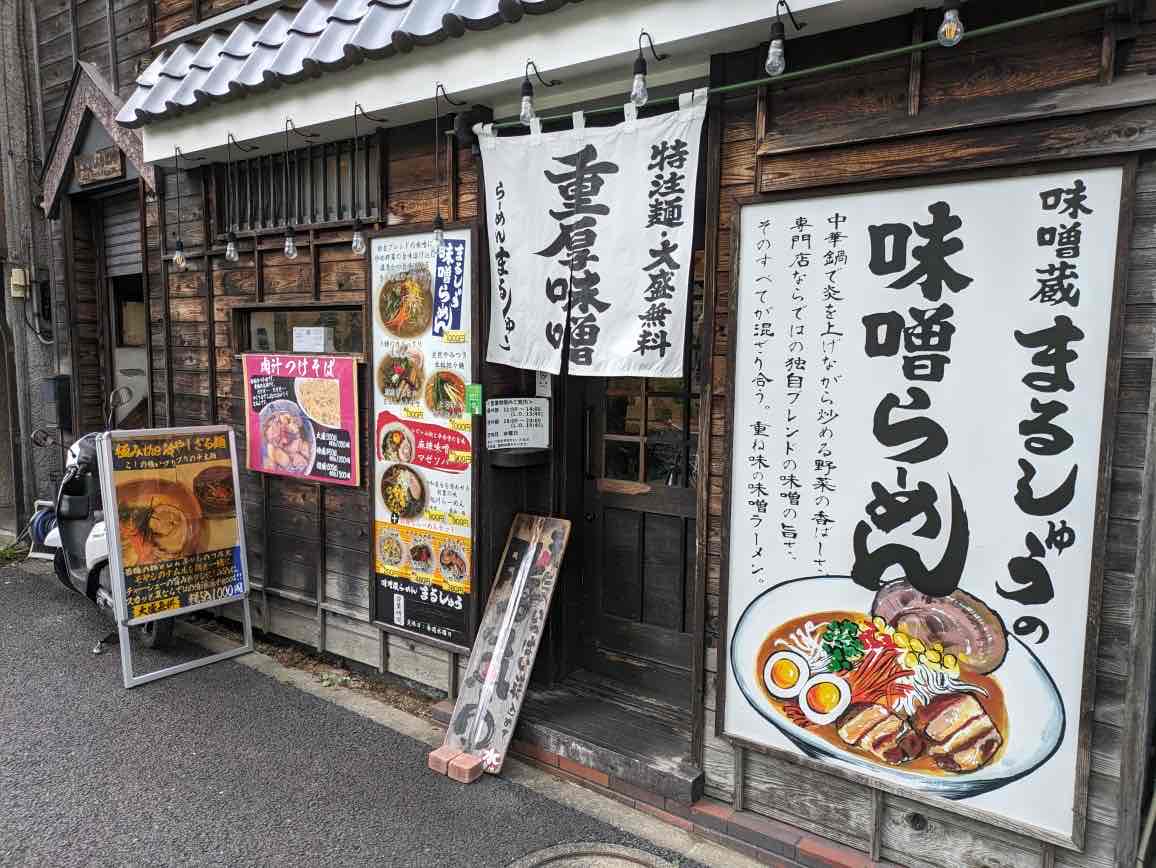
(301,417)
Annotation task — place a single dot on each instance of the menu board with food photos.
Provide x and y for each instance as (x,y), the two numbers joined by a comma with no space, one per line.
(301,416)
(175,540)
(423,434)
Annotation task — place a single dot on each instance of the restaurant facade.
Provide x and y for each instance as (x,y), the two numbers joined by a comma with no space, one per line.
(864,573)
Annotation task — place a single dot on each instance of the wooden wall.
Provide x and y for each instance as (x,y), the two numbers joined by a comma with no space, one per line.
(68,31)
(173,15)
(307,543)
(780,141)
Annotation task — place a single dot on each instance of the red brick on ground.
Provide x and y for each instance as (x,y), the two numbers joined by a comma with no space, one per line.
(821,853)
(465,769)
(439,760)
(585,772)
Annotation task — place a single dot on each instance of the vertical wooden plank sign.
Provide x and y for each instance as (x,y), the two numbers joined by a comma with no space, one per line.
(499,669)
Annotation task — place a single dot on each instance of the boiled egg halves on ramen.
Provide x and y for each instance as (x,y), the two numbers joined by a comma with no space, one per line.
(824,697)
(785,673)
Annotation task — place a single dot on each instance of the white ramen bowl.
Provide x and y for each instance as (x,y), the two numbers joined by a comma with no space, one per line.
(1035,710)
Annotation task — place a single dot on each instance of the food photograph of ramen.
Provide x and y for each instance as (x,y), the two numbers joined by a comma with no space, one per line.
(445,394)
(403,491)
(400,374)
(904,684)
(453,563)
(405,302)
(397,443)
(421,557)
(160,520)
(389,549)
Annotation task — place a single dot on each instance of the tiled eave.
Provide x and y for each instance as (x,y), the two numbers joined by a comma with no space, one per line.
(247,55)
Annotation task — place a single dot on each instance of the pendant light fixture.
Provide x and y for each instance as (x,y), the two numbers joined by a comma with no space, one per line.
(638,92)
(231,202)
(776,63)
(290,249)
(358,241)
(527,113)
(951,30)
(180,261)
(439,224)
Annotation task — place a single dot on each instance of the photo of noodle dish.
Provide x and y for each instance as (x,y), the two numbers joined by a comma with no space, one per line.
(421,557)
(899,685)
(320,400)
(288,442)
(452,562)
(397,443)
(389,548)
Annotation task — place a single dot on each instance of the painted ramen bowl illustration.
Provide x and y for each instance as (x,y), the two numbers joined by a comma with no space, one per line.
(866,682)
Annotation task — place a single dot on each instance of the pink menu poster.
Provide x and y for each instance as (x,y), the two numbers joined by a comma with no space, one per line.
(301,417)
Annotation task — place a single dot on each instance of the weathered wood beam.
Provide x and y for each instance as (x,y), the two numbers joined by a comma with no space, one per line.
(992,111)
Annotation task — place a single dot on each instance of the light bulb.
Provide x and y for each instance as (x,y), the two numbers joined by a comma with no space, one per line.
(439,230)
(231,254)
(527,113)
(358,243)
(179,258)
(776,63)
(951,30)
(638,92)
(290,244)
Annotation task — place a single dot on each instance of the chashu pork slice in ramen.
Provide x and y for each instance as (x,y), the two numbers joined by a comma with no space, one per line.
(962,735)
(879,731)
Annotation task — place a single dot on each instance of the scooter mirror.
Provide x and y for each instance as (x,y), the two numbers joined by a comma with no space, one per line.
(42,437)
(119,397)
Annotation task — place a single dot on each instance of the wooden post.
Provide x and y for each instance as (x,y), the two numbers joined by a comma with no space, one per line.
(207,177)
(162,229)
(142,217)
(915,67)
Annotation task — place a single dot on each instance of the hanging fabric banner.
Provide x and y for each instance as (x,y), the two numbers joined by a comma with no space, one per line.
(600,223)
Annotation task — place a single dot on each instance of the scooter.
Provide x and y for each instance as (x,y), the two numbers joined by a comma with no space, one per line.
(80,537)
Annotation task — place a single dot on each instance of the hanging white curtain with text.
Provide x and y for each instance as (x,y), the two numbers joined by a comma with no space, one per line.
(591,233)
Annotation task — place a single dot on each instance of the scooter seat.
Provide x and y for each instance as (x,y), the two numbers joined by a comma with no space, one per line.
(74,506)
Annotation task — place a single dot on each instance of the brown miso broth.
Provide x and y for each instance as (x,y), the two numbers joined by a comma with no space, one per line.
(993,703)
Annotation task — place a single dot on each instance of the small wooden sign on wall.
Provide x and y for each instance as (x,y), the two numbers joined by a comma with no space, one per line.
(107,164)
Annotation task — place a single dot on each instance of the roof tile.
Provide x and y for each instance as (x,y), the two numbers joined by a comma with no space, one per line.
(293,45)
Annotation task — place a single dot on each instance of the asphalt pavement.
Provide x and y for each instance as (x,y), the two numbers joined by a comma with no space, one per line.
(224,766)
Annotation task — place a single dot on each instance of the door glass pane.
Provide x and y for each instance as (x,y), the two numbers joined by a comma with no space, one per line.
(664,417)
(624,386)
(622,459)
(623,414)
(664,459)
(667,385)
(692,461)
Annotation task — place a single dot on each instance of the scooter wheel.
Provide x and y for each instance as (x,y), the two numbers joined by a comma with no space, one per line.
(61,569)
(157,635)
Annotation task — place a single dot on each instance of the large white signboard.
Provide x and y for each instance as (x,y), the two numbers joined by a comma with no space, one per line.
(600,223)
(919,389)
